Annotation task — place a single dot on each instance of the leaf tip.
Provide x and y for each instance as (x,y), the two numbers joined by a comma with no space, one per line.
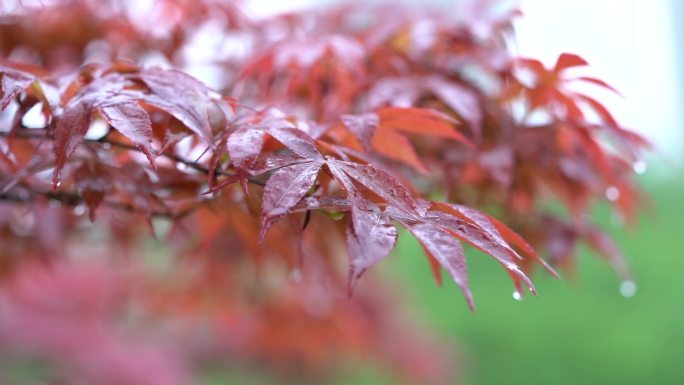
(244,184)
(56,178)
(352,280)
(266,223)
(549,269)
(470,301)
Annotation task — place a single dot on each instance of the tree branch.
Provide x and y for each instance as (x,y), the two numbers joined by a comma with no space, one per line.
(23,134)
(73,199)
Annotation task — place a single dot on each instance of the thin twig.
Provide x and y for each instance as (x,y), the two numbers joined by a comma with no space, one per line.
(24,134)
(73,199)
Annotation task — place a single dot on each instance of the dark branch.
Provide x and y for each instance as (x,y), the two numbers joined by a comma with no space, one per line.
(73,199)
(24,134)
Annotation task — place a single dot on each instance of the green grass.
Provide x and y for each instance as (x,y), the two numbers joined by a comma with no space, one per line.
(577,332)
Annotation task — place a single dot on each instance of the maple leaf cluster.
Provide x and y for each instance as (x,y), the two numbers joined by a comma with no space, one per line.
(322,135)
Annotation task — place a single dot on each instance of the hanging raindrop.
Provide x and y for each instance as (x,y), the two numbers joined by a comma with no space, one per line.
(517,295)
(79,210)
(628,289)
(612,193)
(296,275)
(639,167)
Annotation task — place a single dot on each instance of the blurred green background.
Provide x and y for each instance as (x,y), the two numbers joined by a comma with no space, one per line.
(579,331)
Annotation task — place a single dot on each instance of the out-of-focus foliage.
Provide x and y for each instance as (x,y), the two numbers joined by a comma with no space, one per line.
(319,135)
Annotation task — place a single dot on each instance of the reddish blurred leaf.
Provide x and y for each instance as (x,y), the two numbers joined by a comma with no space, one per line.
(598,82)
(12,83)
(396,146)
(363,127)
(568,60)
(420,121)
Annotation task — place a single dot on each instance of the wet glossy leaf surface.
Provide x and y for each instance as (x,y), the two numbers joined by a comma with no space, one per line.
(448,252)
(370,238)
(284,189)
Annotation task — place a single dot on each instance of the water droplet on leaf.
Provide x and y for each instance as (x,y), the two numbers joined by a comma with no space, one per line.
(79,210)
(517,295)
(612,193)
(296,275)
(639,167)
(628,289)
(23,225)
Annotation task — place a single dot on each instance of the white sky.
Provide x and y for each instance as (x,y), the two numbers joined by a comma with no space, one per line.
(629,43)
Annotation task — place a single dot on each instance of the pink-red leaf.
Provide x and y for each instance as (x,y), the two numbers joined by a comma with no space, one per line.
(568,60)
(516,240)
(284,189)
(598,82)
(342,178)
(69,133)
(499,232)
(381,183)
(272,162)
(533,65)
(460,99)
(12,84)
(482,240)
(396,146)
(94,182)
(606,247)
(244,147)
(297,141)
(182,96)
(363,127)
(420,121)
(447,250)
(133,122)
(370,238)
(600,110)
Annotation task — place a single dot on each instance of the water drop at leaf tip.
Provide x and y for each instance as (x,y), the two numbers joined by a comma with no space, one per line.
(296,275)
(639,167)
(517,295)
(612,193)
(79,210)
(628,289)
